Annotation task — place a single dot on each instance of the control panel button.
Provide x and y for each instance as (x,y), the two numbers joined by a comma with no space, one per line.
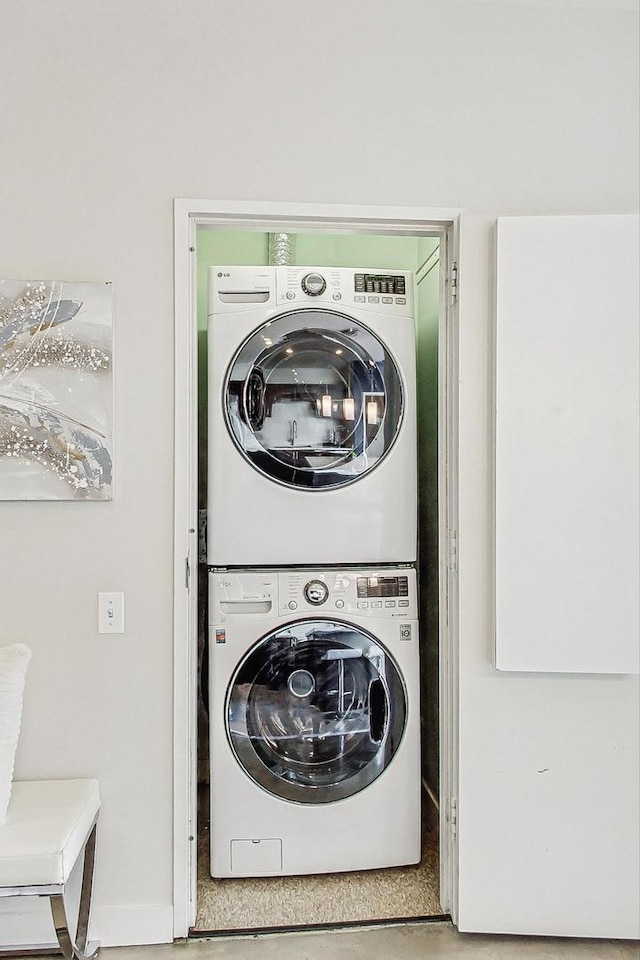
(389,603)
(363,605)
(376,603)
(339,604)
(373,299)
(336,296)
(403,603)
(359,299)
(290,295)
(316,592)
(293,604)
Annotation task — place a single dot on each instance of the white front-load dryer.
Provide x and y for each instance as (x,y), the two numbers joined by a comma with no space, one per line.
(312,416)
(314,721)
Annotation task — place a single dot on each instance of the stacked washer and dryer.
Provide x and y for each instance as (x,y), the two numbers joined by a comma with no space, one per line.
(312,536)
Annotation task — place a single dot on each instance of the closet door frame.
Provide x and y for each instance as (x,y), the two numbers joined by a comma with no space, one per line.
(275,217)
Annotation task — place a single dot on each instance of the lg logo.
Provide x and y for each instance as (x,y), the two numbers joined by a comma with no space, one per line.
(224,274)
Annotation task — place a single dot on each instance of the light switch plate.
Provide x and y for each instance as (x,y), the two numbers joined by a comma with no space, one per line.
(111,612)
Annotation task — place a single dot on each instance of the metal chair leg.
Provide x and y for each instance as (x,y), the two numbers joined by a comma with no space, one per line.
(61,924)
(77,949)
(85,896)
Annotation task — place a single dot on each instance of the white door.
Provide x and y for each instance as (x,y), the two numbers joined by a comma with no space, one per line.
(548,792)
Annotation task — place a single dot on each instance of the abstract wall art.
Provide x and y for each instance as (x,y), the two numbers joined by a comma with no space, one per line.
(56,390)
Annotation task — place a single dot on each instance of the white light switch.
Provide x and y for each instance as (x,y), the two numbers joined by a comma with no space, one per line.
(111,612)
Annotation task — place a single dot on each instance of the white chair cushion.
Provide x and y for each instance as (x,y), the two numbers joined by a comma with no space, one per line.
(14,661)
(48,822)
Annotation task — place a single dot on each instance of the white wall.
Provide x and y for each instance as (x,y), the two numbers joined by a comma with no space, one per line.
(109,111)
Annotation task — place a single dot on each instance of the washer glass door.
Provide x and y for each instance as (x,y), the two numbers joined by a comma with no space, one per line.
(316,711)
(313,399)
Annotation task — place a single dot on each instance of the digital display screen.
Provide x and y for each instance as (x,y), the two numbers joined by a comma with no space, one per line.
(378,283)
(382,587)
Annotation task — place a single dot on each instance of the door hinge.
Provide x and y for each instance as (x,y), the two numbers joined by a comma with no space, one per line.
(453,816)
(453,283)
(453,550)
(202,536)
(187,572)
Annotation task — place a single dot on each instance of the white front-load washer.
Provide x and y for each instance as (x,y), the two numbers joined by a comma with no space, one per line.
(312,416)
(314,720)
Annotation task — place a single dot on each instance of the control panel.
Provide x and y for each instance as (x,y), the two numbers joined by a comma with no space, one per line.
(384,292)
(383,594)
(238,288)
(375,283)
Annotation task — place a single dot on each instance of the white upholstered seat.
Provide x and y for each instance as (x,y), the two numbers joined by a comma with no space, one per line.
(49,825)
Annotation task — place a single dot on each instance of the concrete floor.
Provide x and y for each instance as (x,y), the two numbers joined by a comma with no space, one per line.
(413,941)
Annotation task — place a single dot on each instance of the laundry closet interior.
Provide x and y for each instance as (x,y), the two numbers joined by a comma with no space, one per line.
(323,768)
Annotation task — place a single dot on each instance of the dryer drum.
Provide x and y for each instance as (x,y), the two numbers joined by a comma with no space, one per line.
(316,711)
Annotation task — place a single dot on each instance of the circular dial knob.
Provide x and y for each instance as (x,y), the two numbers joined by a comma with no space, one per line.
(314,284)
(316,592)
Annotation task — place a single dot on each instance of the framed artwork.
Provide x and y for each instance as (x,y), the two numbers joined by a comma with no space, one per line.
(56,390)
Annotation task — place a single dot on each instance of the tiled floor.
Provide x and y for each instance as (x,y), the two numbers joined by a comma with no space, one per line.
(418,941)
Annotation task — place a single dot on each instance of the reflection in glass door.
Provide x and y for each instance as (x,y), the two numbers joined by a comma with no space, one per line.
(313,399)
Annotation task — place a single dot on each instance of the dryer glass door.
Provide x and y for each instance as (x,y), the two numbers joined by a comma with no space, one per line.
(313,399)
(316,711)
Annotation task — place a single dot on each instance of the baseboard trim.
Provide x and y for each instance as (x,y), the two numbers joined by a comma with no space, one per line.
(28,921)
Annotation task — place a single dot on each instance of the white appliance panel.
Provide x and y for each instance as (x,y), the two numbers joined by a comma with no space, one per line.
(255,520)
(377,826)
